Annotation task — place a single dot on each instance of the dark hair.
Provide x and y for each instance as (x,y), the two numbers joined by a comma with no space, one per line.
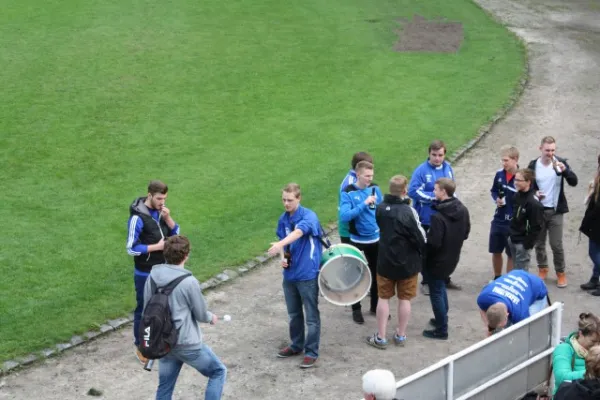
(437,145)
(447,185)
(157,187)
(360,156)
(528,174)
(176,249)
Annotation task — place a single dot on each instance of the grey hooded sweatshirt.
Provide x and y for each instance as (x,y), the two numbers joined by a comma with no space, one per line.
(187,304)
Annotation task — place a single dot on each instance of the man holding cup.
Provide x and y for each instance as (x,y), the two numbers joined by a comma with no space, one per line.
(551,172)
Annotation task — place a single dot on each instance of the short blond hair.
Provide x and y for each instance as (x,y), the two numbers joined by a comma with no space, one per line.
(496,315)
(510,152)
(547,140)
(362,165)
(398,184)
(294,189)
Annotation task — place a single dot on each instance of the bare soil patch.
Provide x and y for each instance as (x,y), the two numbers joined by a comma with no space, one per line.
(435,36)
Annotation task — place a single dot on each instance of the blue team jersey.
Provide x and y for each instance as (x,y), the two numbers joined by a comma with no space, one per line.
(517,290)
(360,217)
(306,251)
(421,187)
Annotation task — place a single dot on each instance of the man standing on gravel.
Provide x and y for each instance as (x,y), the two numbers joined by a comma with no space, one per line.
(550,173)
(401,248)
(421,192)
(149,225)
(299,233)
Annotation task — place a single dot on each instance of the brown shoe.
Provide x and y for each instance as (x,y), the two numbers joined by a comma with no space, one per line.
(453,286)
(140,357)
(561,280)
(543,273)
(308,362)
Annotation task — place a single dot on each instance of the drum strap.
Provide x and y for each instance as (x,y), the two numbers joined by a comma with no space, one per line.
(323,238)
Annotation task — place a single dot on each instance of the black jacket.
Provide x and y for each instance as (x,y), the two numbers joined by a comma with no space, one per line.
(527,219)
(151,234)
(450,227)
(561,206)
(590,225)
(586,389)
(401,239)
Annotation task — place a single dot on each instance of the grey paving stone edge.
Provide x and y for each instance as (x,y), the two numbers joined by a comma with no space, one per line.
(235,272)
(108,326)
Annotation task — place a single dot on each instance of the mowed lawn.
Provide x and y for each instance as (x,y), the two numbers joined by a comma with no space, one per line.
(226,101)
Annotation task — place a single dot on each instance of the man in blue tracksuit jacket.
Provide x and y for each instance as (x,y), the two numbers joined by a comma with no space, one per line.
(504,184)
(300,234)
(357,208)
(149,224)
(343,227)
(421,187)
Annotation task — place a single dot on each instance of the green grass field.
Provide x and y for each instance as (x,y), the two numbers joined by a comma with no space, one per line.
(224,101)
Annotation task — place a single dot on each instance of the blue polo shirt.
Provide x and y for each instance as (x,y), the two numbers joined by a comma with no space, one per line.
(517,290)
(306,251)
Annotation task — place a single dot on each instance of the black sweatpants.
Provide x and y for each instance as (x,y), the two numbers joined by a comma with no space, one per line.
(371,251)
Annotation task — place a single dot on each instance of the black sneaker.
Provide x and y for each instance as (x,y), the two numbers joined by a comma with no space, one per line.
(287,352)
(432,322)
(595,292)
(590,285)
(453,286)
(435,334)
(358,317)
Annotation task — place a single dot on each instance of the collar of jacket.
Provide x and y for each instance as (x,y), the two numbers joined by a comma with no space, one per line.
(391,199)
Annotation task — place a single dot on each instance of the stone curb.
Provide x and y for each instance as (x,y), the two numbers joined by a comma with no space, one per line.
(235,272)
(227,275)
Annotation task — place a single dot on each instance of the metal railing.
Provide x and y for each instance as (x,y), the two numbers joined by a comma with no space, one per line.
(504,366)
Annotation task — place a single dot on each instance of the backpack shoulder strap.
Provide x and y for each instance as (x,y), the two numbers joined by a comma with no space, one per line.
(171,285)
(153,287)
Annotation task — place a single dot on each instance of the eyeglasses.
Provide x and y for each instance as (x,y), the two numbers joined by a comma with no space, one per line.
(520,180)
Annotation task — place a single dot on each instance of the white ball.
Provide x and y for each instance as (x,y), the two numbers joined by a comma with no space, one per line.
(227,318)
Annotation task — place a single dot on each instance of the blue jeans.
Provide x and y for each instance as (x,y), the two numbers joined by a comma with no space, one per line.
(140,282)
(594,252)
(298,294)
(439,303)
(202,359)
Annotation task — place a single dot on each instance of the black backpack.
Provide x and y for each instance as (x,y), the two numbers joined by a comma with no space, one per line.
(157,334)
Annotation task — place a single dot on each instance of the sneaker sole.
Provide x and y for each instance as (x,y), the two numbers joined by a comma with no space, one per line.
(373,344)
(285,356)
(562,286)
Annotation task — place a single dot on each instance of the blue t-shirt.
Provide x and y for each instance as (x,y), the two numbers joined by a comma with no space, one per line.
(517,290)
(306,251)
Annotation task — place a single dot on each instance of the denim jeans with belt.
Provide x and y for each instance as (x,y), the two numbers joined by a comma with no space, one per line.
(202,359)
(298,295)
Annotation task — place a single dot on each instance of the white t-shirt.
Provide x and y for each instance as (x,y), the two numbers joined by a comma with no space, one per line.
(545,177)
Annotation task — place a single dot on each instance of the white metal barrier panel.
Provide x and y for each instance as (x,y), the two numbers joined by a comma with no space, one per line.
(504,366)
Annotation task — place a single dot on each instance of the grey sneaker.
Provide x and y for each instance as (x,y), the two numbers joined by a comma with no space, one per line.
(425,290)
(399,340)
(376,342)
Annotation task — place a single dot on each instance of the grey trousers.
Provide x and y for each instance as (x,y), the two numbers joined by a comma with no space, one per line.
(552,228)
(520,255)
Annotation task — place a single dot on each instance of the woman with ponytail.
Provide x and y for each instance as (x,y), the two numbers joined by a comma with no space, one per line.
(590,226)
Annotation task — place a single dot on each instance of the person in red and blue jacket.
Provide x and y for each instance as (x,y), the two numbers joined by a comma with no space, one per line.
(503,193)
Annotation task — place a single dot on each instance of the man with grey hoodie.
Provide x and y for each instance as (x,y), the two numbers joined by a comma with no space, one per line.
(187,307)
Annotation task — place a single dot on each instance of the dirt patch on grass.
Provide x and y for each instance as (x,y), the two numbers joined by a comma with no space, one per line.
(435,36)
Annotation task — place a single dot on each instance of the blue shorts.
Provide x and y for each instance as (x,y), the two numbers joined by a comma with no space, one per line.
(499,238)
